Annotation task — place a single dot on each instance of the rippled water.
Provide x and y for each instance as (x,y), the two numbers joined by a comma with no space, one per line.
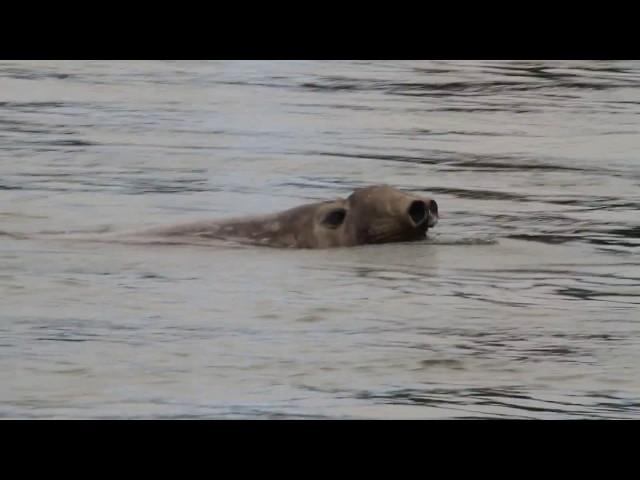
(524,303)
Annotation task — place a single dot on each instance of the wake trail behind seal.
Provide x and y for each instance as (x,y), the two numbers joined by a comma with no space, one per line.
(447,240)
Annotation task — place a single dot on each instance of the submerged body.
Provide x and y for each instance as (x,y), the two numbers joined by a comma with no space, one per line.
(375,214)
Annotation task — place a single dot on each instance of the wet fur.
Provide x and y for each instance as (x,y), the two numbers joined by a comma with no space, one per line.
(376,214)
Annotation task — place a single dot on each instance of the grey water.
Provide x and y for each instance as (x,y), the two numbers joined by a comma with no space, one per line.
(523,303)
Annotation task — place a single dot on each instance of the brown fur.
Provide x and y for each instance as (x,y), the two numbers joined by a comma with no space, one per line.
(376,214)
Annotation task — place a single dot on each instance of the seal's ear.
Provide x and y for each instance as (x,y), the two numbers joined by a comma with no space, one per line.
(334,218)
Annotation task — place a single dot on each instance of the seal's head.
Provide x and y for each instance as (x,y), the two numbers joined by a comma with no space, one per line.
(376,214)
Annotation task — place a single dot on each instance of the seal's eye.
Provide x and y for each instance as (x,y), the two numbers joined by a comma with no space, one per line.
(334,218)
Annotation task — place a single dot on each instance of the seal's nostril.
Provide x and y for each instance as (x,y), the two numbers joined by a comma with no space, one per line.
(418,211)
(433,207)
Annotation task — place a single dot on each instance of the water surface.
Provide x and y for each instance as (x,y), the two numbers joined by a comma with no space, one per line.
(524,303)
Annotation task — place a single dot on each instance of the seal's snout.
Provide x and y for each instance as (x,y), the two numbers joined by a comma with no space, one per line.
(423,213)
(418,212)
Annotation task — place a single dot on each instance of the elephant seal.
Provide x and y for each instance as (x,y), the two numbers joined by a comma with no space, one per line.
(374,214)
